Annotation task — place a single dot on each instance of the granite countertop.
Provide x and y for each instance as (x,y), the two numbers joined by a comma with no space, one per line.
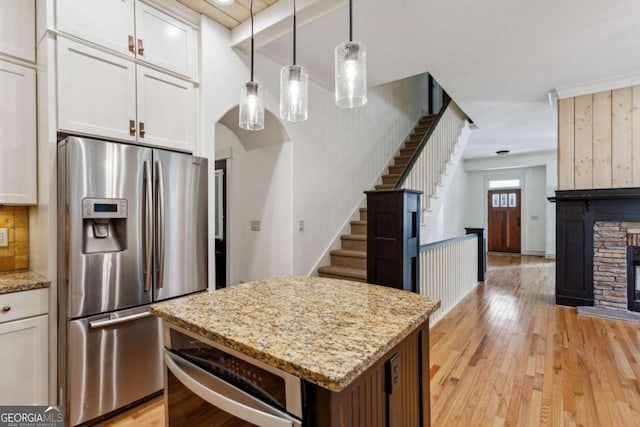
(325,331)
(23,280)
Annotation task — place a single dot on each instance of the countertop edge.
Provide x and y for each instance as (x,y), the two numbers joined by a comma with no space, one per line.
(332,384)
(21,281)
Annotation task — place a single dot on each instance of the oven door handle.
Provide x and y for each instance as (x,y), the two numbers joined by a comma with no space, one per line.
(240,405)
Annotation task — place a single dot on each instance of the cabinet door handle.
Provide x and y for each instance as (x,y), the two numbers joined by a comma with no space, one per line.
(132,127)
(142,131)
(132,44)
(140,47)
(6,308)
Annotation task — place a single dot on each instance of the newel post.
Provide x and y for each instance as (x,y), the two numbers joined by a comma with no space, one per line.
(393,238)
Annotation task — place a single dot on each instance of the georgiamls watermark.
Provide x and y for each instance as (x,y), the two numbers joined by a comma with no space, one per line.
(31,416)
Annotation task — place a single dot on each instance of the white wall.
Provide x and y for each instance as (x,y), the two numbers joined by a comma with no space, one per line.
(538,172)
(258,188)
(450,218)
(339,154)
(336,155)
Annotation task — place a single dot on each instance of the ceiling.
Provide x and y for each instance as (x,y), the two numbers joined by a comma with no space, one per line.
(229,16)
(497,59)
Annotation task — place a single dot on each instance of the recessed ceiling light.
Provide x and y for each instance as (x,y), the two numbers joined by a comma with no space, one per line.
(502,153)
(224,2)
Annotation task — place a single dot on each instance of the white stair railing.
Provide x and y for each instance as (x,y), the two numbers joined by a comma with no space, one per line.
(449,271)
(433,169)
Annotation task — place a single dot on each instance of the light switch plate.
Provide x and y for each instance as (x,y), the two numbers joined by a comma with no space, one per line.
(301,225)
(4,237)
(255,225)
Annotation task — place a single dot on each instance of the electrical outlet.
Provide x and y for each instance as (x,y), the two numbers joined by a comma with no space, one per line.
(4,237)
(255,225)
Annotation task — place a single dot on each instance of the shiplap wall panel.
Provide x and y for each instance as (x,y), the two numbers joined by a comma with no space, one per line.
(583,142)
(602,140)
(621,175)
(566,145)
(635,124)
(615,140)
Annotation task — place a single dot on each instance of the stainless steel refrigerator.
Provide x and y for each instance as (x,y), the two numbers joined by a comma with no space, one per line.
(132,230)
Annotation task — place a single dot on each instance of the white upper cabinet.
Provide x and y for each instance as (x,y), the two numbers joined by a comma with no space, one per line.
(18,28)
(96,92)
(108,23)
(164,41)
(18,130)
(133,28)
(166,110)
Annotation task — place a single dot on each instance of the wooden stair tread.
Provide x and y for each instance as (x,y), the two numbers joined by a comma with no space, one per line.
(333,270)
(360,237)
(391,175)
(358,222)
(401,157)
(385,186)
(349,253)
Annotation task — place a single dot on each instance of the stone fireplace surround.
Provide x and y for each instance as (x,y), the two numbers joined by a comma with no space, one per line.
(610,280)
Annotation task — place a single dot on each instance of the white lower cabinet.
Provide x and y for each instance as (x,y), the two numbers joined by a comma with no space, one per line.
(24,344)
(98,94)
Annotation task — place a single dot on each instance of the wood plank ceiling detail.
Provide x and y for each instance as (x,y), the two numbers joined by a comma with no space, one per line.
(229,16)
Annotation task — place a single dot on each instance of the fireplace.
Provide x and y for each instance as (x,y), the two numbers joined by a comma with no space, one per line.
(597,232)
(633,277)
(616,258)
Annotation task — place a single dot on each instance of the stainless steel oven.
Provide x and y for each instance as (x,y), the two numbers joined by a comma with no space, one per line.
(207,384)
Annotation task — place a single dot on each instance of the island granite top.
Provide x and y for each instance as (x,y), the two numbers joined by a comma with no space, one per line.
(325,331)
(21,280)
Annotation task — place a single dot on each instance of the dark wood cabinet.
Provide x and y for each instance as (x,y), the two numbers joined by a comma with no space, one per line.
(393,392)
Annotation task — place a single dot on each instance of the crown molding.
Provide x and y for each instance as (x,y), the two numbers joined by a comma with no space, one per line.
(596,86)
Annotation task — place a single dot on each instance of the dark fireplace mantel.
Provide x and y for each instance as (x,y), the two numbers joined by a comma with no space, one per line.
(576,213)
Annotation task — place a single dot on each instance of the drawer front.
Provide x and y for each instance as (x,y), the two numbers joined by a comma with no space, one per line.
(18,305)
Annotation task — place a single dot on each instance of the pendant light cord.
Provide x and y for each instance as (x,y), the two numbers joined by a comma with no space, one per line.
(251,12)
(350,21)
(294,32)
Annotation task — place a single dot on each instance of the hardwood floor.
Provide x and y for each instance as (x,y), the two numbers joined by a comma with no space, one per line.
(506,355)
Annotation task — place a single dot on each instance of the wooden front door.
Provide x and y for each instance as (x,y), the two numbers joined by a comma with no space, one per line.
(504,220)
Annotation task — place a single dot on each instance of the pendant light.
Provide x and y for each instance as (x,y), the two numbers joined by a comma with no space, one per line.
(251,104)
(294,86)
(351,70)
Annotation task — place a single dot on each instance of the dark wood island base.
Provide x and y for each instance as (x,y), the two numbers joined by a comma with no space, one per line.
(382,395)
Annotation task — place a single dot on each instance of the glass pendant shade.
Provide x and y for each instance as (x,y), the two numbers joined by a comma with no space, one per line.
(351,75)
(251,107)
(294,93)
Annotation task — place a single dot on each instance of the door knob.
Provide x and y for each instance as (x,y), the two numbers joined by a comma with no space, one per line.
(6,308)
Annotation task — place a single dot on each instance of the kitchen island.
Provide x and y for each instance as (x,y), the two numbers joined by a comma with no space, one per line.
(358,353)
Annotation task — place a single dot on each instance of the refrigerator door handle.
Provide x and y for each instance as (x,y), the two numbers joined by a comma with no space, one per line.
(118,320)
(160,236)
(148,248)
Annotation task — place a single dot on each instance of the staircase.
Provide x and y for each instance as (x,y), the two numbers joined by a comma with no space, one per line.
(350,262)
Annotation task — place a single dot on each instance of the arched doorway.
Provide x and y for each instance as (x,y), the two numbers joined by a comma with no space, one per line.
(253,200)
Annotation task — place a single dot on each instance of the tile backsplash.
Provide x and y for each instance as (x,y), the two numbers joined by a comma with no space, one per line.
(16,255)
